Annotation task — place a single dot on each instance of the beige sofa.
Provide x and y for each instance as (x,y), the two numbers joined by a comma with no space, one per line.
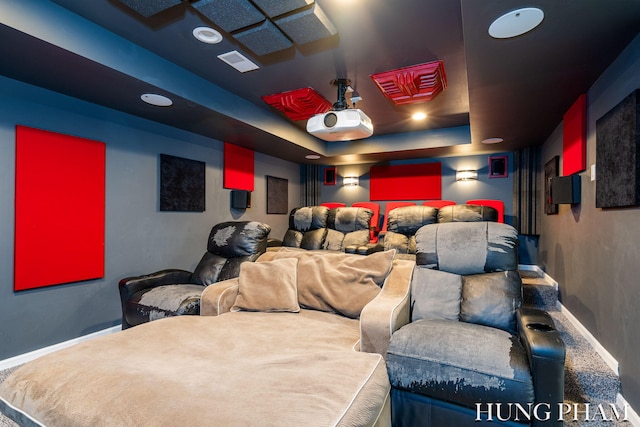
(253,357)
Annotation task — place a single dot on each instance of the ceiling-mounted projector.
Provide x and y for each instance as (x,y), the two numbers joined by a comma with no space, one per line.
(341,123)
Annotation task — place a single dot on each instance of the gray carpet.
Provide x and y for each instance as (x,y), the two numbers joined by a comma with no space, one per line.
(588,379)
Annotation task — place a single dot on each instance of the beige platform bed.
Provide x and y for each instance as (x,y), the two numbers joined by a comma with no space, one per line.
(257,366)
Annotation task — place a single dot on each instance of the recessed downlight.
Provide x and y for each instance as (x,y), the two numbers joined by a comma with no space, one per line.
(492,140)
(419,116)
(312,157)
(516,23)
(157,100)
(207,35)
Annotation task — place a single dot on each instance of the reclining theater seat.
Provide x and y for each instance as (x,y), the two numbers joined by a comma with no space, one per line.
(307,227)
(173,292)
(467,213)
(402,225)
(469,345)
(347,227)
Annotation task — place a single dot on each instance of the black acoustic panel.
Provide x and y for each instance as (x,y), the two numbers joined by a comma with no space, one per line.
(565,189)
(618,155)
(273,8)
(307,26)
(263,39)
(182,184)
(230,15)
(149,8)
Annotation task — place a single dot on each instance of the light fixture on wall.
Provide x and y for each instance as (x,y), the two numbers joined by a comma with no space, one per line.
(467,175)
(350,181)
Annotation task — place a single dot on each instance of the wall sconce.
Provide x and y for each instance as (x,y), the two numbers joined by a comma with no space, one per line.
(467,175)
(350,180)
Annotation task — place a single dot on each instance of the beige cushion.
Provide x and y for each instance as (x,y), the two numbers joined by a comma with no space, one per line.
(338,282)
(268,286)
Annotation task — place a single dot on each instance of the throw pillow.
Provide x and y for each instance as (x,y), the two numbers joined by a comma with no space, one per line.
(338,282)
(268,286)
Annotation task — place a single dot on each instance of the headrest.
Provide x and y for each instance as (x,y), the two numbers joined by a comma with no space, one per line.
(308,218)
(408,219)
(350,219)
(238,238)
(467,247)
(467,213)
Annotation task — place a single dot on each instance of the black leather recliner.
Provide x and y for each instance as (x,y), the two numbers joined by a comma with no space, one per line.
(470,351)
(174,292)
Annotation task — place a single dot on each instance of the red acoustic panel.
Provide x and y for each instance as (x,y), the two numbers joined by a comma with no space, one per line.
(417,83)
(238,168)
(574,138)
(406,182)
(299,104)
(59,209)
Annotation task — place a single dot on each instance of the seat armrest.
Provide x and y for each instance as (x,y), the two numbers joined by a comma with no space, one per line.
(130,285)
(274,243)
(388,311)
(546,352)
(370,248)
(219,297)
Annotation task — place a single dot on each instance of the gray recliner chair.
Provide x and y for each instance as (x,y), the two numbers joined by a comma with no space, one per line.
(470,351)
(173,292)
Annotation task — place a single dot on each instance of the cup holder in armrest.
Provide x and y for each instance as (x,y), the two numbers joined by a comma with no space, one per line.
(540,327)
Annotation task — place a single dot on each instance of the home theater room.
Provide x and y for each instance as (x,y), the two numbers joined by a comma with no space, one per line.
(319,213)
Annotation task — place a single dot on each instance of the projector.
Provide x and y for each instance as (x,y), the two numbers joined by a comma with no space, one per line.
(341,125)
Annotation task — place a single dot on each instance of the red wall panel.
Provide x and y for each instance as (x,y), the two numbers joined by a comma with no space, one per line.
(238,168)
(574,137)
(59,209)
(406,182)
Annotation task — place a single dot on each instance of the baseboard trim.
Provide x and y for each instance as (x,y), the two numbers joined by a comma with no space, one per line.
(599,348)
(27,357)
(632,416)
(548,279)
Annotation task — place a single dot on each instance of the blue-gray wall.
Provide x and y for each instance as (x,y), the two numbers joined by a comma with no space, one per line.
(458,191)
(138,237)
(594,253)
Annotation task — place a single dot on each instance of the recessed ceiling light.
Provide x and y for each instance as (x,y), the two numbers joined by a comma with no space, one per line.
(207,35)
(492,140)
(157,100)
(516,23)
(312,157)
(419,116)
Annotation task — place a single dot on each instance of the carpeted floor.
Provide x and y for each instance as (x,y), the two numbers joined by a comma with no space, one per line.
(588,379)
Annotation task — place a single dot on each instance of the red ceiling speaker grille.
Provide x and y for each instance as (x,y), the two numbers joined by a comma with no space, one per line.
(299,104)
(417,83)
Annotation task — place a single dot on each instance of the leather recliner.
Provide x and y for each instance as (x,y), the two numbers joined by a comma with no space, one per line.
(470,351)
(318,227)
(173,292)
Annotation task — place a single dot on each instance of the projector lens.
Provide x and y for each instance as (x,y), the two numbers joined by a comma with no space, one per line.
(330,120)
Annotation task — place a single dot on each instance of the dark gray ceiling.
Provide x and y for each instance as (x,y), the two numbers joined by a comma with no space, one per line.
(517,89)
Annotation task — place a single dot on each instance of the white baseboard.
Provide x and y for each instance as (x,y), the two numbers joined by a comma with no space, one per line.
(26,357)
(548,279)
(632,415)
(606,356)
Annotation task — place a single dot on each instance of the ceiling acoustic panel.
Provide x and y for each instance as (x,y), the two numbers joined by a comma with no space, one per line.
(263,39)
(273,8)
(149,8)
(417,83)
(307,26)
(230,15)
(299,104)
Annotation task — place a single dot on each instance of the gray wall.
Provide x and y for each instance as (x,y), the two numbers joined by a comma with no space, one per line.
(460,192)
(594,253)
(138,237)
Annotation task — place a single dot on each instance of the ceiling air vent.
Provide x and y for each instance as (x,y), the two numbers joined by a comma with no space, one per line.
(417,83)
(299,104)
(238,61)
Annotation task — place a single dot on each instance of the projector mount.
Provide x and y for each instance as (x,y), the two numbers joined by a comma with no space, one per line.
(343,85)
